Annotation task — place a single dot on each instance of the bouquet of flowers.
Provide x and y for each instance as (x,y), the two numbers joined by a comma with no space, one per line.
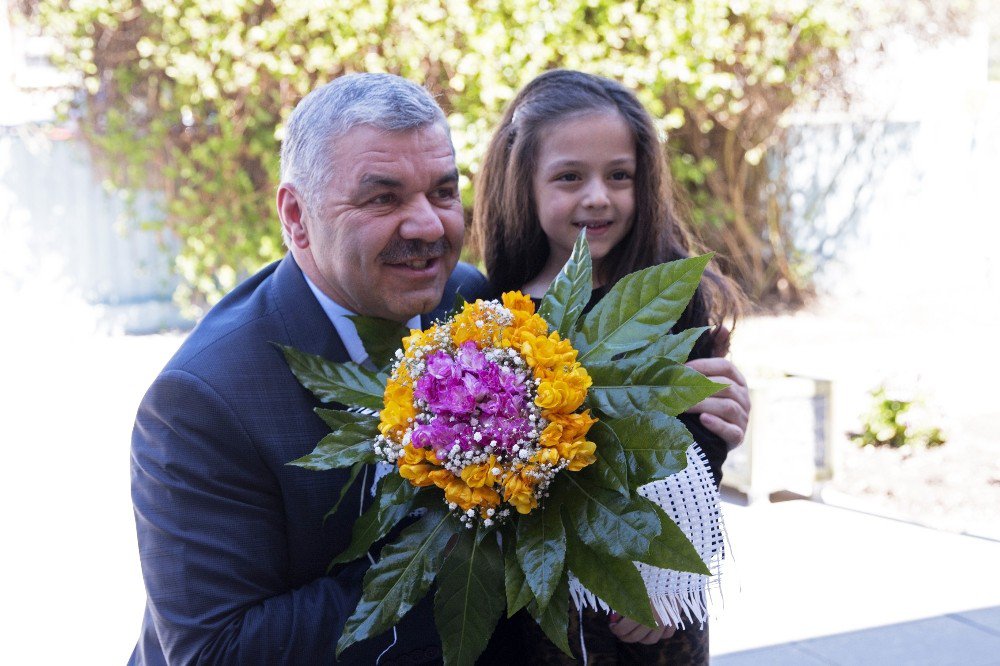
(520,439)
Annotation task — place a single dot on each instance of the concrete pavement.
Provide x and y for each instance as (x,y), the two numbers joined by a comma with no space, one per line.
(809,583)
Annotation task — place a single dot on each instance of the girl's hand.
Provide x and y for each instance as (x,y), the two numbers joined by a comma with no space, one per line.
(727,412)
(630,631)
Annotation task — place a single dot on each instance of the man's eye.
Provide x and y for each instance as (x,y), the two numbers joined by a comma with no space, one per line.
(383,199)
(445,193)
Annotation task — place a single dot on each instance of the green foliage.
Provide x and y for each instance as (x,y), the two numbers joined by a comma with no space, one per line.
(639,308)
(470,597)
(349,442)
(570,292)
(381,338)
(344,383)
(890,422)
(628,386)
(392,505)
(401,577)
(189,97)
(541,551)
(554,620)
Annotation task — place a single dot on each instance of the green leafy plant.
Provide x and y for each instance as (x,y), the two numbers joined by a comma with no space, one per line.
(189,97)
(890,422)
(593,524)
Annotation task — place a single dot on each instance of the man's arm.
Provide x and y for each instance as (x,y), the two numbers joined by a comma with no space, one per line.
(212,538)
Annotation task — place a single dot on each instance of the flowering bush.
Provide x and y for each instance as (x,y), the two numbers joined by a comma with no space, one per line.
(520,439)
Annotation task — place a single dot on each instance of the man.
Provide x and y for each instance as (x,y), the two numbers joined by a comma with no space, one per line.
(233,542)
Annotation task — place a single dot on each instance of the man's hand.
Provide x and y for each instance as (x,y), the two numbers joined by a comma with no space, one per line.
(726,413)
(630,631)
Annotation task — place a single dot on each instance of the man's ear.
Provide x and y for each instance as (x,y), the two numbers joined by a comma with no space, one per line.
(291,211)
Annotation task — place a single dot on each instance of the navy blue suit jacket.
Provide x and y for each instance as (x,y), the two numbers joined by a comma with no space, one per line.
(232,540)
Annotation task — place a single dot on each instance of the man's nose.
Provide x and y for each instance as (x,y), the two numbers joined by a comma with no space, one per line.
(422,221)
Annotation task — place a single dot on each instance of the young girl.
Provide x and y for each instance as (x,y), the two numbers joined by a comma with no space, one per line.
(577,151)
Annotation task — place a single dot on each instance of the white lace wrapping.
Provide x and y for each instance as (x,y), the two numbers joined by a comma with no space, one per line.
(691,499)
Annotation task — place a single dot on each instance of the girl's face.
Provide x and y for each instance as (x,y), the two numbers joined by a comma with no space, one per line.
(585,178)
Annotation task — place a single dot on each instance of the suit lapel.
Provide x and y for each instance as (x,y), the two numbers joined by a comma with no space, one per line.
(309,329)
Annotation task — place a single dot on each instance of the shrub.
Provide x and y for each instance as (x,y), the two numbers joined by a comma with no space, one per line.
(890,422)
(188,97)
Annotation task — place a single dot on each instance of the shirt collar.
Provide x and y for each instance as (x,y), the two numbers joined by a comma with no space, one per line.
(340,317)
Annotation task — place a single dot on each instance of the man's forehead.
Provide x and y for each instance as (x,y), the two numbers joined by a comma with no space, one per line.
(429,139)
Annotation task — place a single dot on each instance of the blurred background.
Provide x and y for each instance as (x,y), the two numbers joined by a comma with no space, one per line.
(843,157)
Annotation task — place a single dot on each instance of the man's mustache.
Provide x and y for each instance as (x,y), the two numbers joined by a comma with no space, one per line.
(402,251)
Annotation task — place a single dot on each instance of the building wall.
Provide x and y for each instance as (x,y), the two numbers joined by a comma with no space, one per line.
(59,224)
(899,201)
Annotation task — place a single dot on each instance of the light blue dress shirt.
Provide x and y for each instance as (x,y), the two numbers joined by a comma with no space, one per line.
(340,317)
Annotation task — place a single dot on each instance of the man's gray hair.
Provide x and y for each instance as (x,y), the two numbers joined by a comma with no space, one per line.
(383,101)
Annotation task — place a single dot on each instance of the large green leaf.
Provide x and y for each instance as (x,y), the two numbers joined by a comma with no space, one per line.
(674,550)
(352,441)
(640,308)
(569,293)
(610,470)
(606,520)
(616,580)
(674,347)
(470,596)
(345,383)
(654,444)
(613,524)
(381,338)
(515,584)
(627,386)
(392,504)
(353,421)
(401,577)
(541,550)
(554,620)
(355,471)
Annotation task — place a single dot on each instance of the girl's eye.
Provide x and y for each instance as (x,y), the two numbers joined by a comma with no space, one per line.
(567,177)
(621,175)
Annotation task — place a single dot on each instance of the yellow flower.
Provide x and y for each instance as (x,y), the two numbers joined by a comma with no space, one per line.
(552,435)
(584,455)
(519,490)
(460,493)
(547,353)
(573,426)
(475,322)
(398,407)
(517,335)
(564,392)
(579,453)
(418,338)
(546,456)
(485,498)
(411,456)
(518,304)
(480,475)
(441,477)
(420,474)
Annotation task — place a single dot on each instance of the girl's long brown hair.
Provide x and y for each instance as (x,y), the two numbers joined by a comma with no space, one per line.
(506,229)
